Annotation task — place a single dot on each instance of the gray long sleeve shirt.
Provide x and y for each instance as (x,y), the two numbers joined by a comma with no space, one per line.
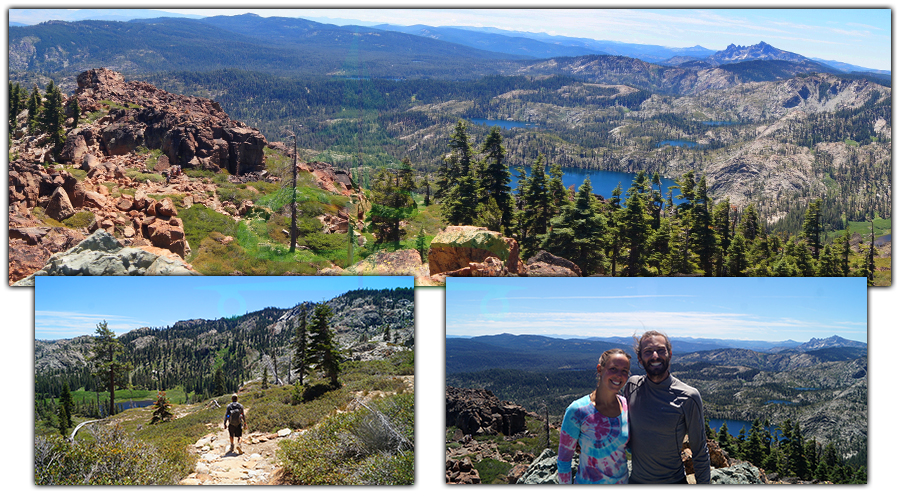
(660,415)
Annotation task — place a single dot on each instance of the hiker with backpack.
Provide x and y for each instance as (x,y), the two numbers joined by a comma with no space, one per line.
(235,422)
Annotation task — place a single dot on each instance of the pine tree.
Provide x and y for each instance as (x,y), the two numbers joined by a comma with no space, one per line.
(634,226)
(558,194)
(422,245)
(703,238)
(162,409)
(870,258)
(322,352)
(53,116)
(34,103)
(755,448)
(495,177)
(299,344)
(66,406)
(736,260)
(750,225)
(459,207)
(265,378)
(219,382)
(536,209)
(106,351)
(392,202)
(721,221)
(579,233)
(812,226)
(457,163)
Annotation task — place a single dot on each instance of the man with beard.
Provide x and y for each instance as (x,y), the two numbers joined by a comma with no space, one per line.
(661,411)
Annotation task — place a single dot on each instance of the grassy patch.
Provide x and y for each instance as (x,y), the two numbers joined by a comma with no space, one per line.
(138,176)
(80,220)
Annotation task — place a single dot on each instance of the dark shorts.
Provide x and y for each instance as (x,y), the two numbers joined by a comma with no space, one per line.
(234,431)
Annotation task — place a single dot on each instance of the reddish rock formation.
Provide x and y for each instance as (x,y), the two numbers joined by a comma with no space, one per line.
(191,131)
(456,247)
(461,472)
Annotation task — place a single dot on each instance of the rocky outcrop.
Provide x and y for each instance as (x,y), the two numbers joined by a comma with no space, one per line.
(190,131)
(479,412)
(742,473)
(102,255)
(456,247)
(545,263)
(543,469)
(31,247)
(461,472)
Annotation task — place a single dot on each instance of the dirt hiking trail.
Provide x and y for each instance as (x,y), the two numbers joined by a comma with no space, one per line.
(216,464)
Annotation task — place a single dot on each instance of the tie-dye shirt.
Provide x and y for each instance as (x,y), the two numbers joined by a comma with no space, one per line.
(602,440)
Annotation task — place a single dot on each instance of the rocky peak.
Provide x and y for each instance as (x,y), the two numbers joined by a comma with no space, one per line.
(190,131)
(761,51)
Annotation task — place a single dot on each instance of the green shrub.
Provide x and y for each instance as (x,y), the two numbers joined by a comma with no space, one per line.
(111,457)
(372,445)
(200,221)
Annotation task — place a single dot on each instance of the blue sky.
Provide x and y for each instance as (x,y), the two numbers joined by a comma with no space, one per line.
(855,36)
(772,309)
(66,307)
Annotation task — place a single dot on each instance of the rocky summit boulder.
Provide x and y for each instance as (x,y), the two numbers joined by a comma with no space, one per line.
(102,255)
(480,412)
(543,469)
(456,247)
(742,473)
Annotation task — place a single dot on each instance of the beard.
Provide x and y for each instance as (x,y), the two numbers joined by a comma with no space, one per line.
(659,370)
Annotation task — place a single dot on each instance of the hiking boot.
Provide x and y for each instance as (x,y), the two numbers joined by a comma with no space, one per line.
(231,448)
(240,451)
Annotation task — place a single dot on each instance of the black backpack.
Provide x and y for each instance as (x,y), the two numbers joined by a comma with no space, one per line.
(235,410)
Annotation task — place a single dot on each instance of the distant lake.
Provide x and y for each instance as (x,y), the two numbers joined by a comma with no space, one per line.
(719,124)
(735,426)
(602,181)
(126,405)
(503,124)
(680,143)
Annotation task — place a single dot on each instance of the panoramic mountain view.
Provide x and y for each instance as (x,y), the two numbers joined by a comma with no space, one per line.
(322,368)
(784,385)
(450,143)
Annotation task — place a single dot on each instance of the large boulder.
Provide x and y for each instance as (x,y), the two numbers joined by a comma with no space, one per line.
(102,255)
(74,149)
(544,264)
(59,207)
(742,473)
(543,469)
(456,247)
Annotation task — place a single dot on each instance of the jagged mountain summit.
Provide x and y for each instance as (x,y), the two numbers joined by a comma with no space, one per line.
(761,51)
(833,341)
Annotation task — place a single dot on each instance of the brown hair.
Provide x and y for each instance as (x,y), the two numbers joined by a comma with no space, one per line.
(646,335)
(604,358)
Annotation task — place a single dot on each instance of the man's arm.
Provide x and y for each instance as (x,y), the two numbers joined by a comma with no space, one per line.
(696,430)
